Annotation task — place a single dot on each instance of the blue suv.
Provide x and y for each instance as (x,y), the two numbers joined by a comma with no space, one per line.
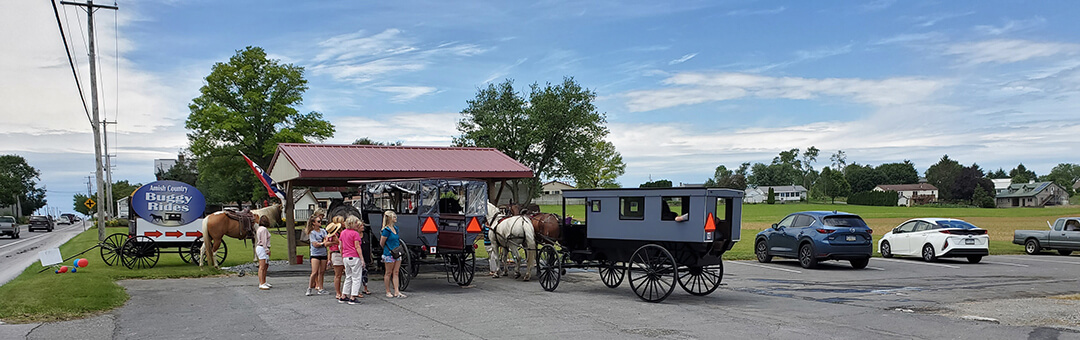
(812,236)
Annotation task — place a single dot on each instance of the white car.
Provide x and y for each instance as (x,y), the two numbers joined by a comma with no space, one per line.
(932,238)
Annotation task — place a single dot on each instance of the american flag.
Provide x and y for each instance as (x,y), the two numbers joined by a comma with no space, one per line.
(271,186)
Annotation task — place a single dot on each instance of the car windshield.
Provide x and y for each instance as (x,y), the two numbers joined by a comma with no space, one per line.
(38,218)
(7,219)
(956,224)
(844,221)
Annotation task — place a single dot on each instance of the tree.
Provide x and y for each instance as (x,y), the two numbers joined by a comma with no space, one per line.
(724,178)
(549,133)
(1065,175)
(808,158)
(839,160)
(771,198)
(832,184)
(662,183)
(123,189)
(19,185)
(80,205)
(981,198)
(942,175)
(1021,174)
(602,165)
(862,177)
(247,104)
(183,171)
(898,173)
(999,173)
(368,141)
(971,177)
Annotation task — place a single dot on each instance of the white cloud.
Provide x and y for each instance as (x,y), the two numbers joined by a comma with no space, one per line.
(406,93)
(909,38)
(1003,51)
(682,59)
(428,129)
(877,5)
(745,12)
(359,57)
(696,88)
(1011,26)
(933,19)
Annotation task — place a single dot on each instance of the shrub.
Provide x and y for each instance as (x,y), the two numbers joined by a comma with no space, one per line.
(874,198)
(772,197)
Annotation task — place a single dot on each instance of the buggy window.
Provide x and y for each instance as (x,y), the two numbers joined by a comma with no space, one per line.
(721,208)
(672,207)
(595,205)
(631,208)
(845,221)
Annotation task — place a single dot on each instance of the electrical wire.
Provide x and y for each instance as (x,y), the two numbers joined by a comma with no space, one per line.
(71,61)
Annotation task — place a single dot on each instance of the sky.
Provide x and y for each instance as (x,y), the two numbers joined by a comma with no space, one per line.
(685,85)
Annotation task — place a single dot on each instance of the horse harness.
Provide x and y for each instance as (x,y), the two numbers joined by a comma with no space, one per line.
(246,220)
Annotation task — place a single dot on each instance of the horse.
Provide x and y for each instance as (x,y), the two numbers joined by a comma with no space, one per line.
(218,225)
(546,226)
(510,234)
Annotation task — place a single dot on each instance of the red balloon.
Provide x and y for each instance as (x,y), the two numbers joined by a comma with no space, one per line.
(63,269)
(83,262)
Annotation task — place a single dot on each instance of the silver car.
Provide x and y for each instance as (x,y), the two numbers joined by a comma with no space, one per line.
(9,227)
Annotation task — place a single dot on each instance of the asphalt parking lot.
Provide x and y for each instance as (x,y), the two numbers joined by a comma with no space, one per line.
(893,298)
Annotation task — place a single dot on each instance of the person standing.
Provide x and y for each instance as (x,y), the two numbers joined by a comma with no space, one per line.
(390,240)
(334,245)
(493,256)
(354,264)
(317,243)
(262,251)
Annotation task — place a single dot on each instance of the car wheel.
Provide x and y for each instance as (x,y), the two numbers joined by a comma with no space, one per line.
(975,258)
(761,250)
(860,263)
(806,256)
(928,253)
(885,249)
(1032,247)
(1063,252)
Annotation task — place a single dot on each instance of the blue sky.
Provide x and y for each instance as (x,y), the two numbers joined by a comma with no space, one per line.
(686,85)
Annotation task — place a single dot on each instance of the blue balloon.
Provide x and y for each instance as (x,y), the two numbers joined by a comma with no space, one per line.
(76,263)
(72,270)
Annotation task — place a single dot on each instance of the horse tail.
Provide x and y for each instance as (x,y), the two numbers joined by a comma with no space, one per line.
(206,242)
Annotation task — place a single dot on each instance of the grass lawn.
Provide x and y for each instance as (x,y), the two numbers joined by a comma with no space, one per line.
(34,297)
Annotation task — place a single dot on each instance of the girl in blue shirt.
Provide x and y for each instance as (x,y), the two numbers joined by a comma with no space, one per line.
(389,241)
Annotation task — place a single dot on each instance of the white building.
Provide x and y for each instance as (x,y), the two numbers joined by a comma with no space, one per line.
(911,194)
(304,204)
(551,193)
(784,193)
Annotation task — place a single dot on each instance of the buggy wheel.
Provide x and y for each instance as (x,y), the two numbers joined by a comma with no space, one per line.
(139,252)
(462,267)
(652,272)
(110,248)
(196,252)
(701,281)
(405,273)
(549,268)
(611,273)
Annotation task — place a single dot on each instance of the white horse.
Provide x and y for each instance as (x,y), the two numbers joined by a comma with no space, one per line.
(511,235)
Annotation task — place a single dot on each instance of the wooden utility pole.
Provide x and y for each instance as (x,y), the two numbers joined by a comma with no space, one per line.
(90,7)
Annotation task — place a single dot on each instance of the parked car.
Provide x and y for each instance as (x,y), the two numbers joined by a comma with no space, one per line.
(63,220)
(812,236)
(1063,236)
(40,222)
(71,217)
(933,238)
(9,227)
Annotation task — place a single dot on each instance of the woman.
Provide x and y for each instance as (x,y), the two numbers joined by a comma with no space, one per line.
(317,240)
(354,264)
(389,241)
(334,246)
(262,251)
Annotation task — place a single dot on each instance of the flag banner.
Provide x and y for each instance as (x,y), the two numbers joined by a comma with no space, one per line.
(271,186)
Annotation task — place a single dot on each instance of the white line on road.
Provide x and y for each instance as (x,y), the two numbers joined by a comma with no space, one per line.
(1007,264)
(766,267)
(1038,260)
(917,262)
(24,240)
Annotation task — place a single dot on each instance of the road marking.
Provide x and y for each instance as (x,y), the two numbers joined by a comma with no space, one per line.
(917,262)
(1050,261)
(24,240)
(1007,264)
(767,267)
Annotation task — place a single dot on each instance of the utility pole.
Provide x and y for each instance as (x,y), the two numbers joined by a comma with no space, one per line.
(90,7)
(108,168)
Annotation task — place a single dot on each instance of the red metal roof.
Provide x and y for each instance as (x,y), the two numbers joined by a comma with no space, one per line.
(322,164)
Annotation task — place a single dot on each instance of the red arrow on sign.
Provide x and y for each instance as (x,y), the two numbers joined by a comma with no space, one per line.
(194,234)
(174,233)
(154,233)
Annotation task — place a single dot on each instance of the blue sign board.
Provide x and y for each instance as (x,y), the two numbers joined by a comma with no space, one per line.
(168,203)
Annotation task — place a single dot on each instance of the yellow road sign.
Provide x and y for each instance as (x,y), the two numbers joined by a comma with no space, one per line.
(89,203)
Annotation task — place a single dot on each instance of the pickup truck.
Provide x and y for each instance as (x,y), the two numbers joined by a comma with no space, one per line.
(9,227)
(1063,236)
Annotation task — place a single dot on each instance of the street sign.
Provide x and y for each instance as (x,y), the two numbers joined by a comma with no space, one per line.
(89,203)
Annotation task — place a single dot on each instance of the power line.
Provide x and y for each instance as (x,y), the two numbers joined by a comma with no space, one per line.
(71,61)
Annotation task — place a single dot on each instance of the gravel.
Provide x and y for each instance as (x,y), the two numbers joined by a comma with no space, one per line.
(1021,312)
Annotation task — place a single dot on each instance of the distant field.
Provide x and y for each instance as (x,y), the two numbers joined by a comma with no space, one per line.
(999,222)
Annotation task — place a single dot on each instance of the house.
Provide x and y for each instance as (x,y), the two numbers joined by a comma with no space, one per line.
(911,194)
(551,192)
(1033,194)
(784,193)
(305,204)
(507,196)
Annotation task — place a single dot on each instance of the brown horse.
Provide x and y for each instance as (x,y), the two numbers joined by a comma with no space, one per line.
(547,227)
(218,225)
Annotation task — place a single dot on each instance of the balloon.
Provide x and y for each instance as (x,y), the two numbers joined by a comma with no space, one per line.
(72,269)
(83,262)
(75,263)
(63,269)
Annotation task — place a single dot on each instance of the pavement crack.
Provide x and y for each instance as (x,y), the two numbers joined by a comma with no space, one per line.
(31,331)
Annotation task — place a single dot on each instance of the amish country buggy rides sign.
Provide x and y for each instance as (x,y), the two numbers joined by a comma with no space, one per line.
(168,211)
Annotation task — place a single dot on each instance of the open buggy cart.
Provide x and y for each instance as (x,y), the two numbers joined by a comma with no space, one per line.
(438,221)
(655,237)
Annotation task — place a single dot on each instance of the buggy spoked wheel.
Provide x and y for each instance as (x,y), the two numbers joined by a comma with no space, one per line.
(652,272)
(549,268)
(139,252)
(611,273)
(110,248)
(195,253)
(700,281)
(405,273)
(462,267)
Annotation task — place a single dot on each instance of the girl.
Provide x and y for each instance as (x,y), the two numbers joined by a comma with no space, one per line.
(334,245)
(317,240)
(389,241)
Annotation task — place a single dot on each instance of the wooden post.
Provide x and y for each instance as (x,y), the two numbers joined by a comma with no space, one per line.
(290,222)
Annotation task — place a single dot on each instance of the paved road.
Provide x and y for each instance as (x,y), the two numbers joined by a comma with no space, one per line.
(772,301)
(17,254)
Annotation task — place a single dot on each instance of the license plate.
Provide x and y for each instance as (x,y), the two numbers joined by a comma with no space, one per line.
(851,238)
(969,241)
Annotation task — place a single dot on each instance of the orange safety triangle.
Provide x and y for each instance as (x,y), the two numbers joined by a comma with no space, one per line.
(429,226)
(474,226)
(710,226)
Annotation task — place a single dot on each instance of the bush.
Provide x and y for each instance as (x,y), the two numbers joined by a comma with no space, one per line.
(874,198)
(113,223)
(772,197)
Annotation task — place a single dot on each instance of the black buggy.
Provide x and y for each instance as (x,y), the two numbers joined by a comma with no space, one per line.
(657,237)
